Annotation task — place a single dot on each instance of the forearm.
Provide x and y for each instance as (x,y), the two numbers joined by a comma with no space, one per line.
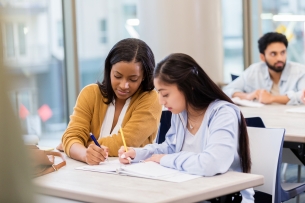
(282,99)
(78,152)
(241,95)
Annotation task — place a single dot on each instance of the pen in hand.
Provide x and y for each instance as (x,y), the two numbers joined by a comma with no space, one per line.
(97,144)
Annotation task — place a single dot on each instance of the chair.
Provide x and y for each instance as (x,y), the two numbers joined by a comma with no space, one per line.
(255,122)
(233,77)
(264,163)
(165,124)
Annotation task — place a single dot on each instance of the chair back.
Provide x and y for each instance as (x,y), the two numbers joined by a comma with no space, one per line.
(266,154)
(233,77)
(255,122)
(165,124)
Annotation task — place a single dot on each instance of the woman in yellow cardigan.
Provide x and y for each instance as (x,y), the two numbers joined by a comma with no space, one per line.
(126,98)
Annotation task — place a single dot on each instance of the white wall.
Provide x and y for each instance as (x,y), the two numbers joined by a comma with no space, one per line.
(192,27)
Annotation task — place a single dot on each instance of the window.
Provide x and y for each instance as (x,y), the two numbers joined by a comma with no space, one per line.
(36,65)
(232,17)
(286,17)
(60,36)
(9,42)
(94,40)
(103,31)
(22,31)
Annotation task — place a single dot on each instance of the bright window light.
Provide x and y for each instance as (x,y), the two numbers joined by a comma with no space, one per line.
(266,16)
(288,18)
(25,30)
(133,22)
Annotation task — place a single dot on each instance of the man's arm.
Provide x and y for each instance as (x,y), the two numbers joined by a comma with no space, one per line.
(267,98)
(248,96)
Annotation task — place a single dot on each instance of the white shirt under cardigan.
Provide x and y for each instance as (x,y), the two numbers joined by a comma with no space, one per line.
(291,83)
(108,120)
(219,145)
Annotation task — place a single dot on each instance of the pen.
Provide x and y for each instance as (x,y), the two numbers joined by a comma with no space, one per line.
(123,139)
(96,142)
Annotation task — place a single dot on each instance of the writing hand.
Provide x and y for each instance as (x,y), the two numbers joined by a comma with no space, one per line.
(95,154)
(125,157)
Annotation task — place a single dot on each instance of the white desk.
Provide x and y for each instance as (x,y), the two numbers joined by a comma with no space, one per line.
(100,187)
(274,116)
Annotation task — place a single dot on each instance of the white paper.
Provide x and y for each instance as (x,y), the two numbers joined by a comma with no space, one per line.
(243,102)
(150,170)
(106,167)
(296,110)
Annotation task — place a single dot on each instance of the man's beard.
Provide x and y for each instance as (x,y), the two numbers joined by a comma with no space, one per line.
(277,69)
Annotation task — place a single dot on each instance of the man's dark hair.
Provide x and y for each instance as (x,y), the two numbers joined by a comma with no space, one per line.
(269,38)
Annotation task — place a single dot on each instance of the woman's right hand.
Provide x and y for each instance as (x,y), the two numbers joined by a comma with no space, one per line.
(125,157)
(95,154)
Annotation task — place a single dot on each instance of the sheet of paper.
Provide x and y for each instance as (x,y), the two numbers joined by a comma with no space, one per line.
(155,171)
(106,167)
(296,110)
(150,170)
(243,102)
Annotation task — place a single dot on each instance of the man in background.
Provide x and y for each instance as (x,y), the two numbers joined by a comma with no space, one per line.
(274,79)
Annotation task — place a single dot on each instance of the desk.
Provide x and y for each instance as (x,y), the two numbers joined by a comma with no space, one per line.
(101,187)
(274,116)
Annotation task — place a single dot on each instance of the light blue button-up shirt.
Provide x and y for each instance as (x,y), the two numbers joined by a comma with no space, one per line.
(291,83)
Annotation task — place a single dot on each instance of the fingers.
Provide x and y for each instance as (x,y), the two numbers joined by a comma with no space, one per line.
(95,155)
(126,157)
(106,150)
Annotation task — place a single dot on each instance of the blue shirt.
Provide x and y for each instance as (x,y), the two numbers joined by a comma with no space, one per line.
(291,83)
(218,149)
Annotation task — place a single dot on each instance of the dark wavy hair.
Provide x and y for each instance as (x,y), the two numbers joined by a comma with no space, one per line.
(199,91)
(269,38)
(128,50)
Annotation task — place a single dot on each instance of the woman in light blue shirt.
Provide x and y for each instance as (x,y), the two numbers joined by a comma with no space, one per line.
(208,133)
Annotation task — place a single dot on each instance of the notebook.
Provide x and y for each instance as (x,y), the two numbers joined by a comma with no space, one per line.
(151,170)
(243,102)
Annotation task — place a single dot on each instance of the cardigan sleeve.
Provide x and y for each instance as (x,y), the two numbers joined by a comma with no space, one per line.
(140,124)
(79,126)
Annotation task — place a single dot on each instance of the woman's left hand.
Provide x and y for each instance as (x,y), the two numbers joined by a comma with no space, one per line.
(155,157)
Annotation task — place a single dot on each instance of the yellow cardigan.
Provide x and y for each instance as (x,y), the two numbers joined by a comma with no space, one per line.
(140,123)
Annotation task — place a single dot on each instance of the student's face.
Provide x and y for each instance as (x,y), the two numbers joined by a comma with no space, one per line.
(170,96)
(275,56)
(126,78)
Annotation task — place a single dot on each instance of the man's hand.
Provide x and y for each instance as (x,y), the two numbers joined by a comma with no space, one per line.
(265,97)
(253,95)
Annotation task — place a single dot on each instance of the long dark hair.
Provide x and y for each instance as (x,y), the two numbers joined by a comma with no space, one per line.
(199,91)
(128,50)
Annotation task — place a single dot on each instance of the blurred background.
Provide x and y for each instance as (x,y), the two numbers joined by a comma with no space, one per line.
(53,48)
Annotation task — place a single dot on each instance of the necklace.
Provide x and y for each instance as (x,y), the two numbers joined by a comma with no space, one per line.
(190,125)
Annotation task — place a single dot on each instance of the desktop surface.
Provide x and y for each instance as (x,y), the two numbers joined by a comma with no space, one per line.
(89,186)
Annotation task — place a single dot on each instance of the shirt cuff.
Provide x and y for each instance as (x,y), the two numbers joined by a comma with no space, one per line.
(294,97)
